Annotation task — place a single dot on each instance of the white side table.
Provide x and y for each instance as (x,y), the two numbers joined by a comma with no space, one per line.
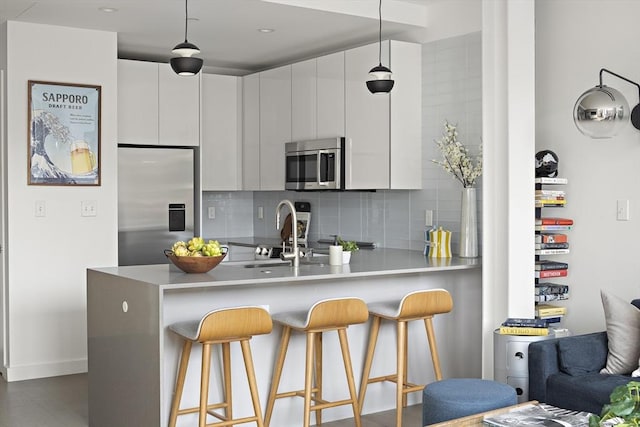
(511,360)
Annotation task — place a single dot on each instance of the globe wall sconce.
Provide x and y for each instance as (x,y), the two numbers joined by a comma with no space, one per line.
(602,111)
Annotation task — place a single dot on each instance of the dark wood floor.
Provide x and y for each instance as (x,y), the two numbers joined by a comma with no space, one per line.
(62,402)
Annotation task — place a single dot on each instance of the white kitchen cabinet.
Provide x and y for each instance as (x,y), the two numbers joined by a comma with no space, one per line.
(275,125)
(221,145)
(384,129)
(303,100)
(178,108)
(156,106)
(317,98)
(137,102)
(330,95)
(251,132)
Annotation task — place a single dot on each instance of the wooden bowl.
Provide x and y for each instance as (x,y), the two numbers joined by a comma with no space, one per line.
(194,264)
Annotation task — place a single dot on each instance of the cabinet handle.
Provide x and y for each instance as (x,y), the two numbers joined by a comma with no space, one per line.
(519,355)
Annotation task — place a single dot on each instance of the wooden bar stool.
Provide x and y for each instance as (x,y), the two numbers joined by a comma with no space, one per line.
(327,315)
(221,326)
(418,305)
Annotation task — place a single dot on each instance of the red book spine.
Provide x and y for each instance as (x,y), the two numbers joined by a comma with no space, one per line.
(555,238)
(551,273)
(555,221)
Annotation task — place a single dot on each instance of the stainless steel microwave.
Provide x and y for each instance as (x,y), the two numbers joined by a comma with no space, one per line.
(315,165)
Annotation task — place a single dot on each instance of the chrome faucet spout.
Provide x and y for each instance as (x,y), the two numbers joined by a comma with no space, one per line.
(294,256)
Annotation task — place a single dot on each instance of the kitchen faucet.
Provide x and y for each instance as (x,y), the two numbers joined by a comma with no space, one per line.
(294,255)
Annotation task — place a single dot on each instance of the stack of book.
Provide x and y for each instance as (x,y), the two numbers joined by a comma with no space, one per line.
(550,198)
(550,313)
(551,244)
(553,224)
(518,326)
(547,291)
(547,268)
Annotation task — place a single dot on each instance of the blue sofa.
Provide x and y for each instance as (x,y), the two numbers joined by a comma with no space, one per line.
(564,372)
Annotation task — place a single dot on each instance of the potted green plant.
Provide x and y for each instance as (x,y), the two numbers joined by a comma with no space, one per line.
(625,404)
(348,246)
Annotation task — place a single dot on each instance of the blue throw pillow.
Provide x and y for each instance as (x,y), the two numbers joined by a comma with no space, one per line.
(582,356)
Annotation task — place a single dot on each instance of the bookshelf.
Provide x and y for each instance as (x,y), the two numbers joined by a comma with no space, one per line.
(551,243)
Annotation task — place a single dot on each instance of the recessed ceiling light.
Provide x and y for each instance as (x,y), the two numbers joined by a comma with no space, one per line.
(108,9)
(266,30)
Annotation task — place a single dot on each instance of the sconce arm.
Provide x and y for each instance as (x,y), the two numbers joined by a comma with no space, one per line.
(620,77)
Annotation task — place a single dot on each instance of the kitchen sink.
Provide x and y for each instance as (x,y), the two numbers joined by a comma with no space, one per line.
(313,259)
(268,264)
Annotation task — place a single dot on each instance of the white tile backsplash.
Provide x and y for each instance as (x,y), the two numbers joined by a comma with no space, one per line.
(452,90)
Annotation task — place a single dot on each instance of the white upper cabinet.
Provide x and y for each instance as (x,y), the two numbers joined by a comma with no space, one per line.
(367,121)
(303,100)
(317,98)
(178,108)
(330,96)
(251,132)
(275,125)
(137,102)
(221,146)
(156,106)
(384,129)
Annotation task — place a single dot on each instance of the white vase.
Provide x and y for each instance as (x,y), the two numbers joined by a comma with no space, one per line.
(346,257)
(468,224)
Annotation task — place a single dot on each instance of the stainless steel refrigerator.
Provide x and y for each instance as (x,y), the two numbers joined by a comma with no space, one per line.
(157,203)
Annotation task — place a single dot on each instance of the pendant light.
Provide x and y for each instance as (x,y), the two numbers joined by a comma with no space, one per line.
(185,64)
(602,111)
(380,75)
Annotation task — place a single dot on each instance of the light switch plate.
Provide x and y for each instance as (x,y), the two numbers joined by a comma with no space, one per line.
(88,208)
(622,210)
(40,208)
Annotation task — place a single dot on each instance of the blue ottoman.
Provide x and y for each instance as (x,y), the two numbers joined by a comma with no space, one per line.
(454,398)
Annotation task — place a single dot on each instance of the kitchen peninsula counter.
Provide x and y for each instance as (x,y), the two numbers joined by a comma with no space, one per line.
(133,355)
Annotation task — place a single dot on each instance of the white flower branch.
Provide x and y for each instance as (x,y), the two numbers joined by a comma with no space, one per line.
(456,158)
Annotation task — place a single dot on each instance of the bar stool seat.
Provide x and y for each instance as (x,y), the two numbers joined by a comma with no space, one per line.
(418,305)
(326,315)
(221,326)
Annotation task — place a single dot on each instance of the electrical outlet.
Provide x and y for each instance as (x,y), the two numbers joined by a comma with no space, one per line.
(622,210)
(428,218)
(41,208)
(88,208)
(212,212)
(260,212)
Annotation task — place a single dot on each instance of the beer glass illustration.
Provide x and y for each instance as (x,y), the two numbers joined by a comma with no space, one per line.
(82,159)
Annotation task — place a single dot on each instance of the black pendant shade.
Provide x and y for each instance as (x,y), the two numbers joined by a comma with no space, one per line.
(381,81)
(380,75)
(185,64)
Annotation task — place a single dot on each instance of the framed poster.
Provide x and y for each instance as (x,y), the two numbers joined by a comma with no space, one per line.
(63,134)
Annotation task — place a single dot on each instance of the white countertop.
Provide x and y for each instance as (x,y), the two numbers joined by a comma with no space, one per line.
(364,263)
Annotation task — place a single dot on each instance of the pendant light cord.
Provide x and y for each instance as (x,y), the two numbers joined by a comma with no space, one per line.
(380,33)
(186,20)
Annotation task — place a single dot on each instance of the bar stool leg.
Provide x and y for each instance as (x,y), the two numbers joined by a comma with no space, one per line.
(368,361)
(226,362)
(204,384)
(277,373)
(251,377)
(346,357)
(431,337)
(182,373)
(318,375)
(402,337)
(406,363)
(308,373)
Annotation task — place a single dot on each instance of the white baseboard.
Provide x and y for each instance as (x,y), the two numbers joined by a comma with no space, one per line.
(30,372)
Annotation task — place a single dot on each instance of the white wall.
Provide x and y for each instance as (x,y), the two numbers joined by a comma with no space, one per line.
(574,41)
(46,257)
